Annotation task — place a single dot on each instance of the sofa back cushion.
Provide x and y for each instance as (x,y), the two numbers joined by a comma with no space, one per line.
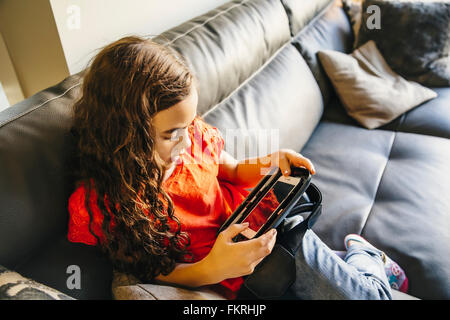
(279,107)
(300,13)
(330,30)
(252,81)
(225,46)
(35,155)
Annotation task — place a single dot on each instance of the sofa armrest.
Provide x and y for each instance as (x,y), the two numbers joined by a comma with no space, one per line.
(127,287)
(14,286)
(398,295)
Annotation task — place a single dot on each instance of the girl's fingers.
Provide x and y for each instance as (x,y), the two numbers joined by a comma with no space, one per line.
(233,230)
(300,161)
(262,246)
(284,165)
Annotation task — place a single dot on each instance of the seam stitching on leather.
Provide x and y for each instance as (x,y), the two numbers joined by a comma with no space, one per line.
(253,75)
(205,22)
(379,183)
(314,19)
(402,119)
(287,10)
(290,41)
(140,286)
(38,106)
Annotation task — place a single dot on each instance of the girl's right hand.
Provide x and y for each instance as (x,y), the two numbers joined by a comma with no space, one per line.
(228,259)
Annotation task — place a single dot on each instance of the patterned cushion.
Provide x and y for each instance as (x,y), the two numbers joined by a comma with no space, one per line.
(15,287)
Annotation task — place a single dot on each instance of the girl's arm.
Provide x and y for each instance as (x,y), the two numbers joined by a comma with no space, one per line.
(248,172)
(190,274)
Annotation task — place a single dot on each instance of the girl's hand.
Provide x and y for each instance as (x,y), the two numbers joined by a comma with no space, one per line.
(287,157)
(228,259)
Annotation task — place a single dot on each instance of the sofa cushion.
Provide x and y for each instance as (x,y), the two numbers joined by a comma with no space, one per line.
(300,13)
(36,175)
(410,217)
(431,118)
(331,30)
(348,186)
(225,46)
(413,36)
(369,90)
(52,263)
(13,286)
(280,105)
(391,188)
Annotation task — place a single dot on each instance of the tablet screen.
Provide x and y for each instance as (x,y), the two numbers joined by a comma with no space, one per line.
(268,204)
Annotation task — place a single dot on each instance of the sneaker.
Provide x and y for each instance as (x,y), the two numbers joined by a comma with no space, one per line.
(396,276)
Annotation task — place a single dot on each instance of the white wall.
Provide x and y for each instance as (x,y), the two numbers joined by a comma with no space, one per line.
(4,103)
(10,89)
(85,26)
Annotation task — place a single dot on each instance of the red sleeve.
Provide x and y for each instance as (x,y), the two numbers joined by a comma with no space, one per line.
(79,218)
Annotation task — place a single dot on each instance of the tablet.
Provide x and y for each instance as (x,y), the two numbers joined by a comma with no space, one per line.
(269,202)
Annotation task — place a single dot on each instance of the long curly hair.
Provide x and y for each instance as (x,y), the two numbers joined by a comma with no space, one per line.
(126,84)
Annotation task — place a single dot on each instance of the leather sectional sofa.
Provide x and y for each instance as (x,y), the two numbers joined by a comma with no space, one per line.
(257,68)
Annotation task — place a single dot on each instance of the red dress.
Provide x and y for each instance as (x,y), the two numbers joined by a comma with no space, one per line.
(202,202)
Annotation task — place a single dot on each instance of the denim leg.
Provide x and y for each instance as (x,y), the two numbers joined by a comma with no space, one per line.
(322,275)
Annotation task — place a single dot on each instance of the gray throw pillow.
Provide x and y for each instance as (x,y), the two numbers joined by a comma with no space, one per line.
(15,287)
(414,37)
(369,90)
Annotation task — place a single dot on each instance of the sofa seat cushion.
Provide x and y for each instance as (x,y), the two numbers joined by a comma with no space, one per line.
(391,188)
(430,118)
(410,217)
(349,162)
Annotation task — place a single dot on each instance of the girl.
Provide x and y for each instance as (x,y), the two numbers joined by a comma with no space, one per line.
(155,184)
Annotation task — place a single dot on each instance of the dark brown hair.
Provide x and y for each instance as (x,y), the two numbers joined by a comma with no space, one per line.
(127,83)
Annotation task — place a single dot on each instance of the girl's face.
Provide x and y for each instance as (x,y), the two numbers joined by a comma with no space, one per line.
(171,126)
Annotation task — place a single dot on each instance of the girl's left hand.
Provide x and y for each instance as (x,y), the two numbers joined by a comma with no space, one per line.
(288,157)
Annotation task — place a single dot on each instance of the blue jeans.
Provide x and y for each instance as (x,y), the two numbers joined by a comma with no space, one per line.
(321,274)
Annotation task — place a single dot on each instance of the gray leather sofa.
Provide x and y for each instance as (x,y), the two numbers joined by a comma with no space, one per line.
(256,63)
